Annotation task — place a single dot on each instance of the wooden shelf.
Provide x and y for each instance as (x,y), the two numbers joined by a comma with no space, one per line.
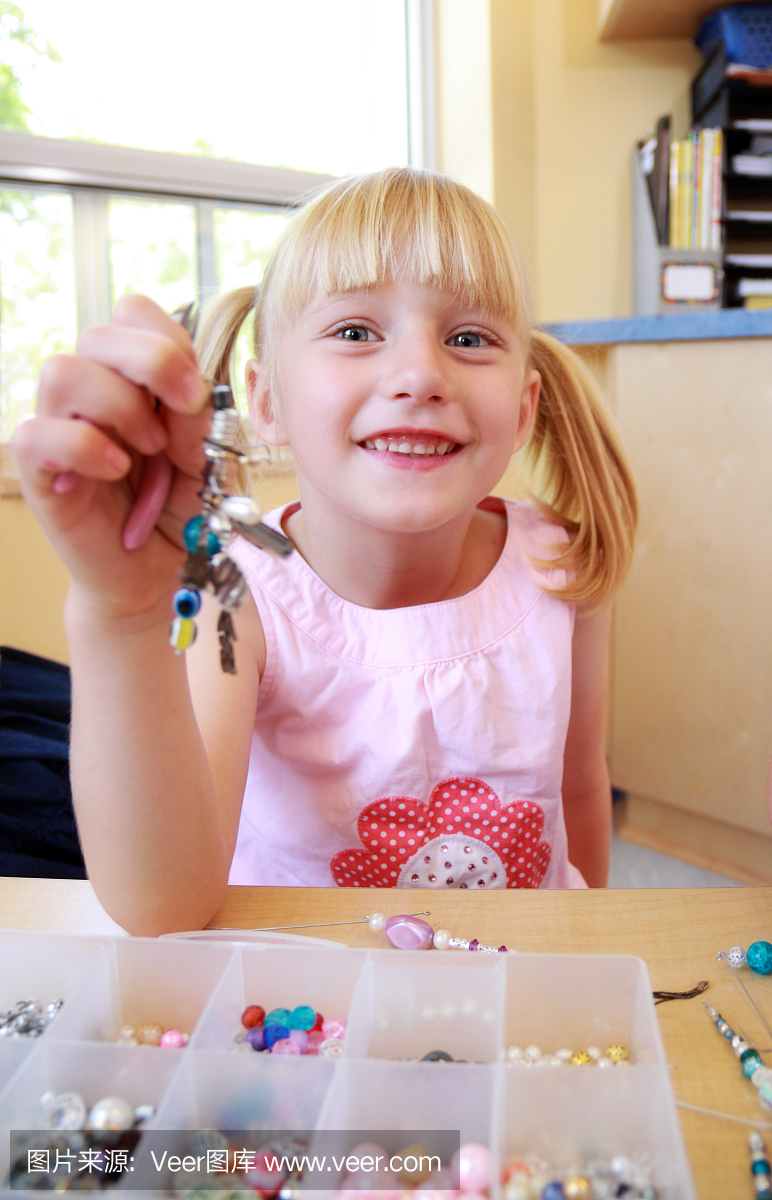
(620,19)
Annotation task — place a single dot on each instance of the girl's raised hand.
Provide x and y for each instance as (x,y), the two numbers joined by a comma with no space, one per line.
(97,435)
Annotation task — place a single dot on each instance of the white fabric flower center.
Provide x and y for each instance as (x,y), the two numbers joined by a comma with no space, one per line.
(454,861)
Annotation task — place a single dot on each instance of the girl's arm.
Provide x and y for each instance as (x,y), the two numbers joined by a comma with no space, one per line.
(586,785)
(157,800)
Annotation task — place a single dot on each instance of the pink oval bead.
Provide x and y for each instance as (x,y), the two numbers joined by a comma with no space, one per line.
(409,933)
(333,1027)
(285,1046)
(301,1037)
(315,1039)
(173,1038)
(474,1167)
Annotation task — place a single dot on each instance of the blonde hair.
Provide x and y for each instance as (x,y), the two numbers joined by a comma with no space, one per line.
(428,228)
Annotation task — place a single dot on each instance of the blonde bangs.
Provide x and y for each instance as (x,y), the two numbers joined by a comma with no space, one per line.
(400,223)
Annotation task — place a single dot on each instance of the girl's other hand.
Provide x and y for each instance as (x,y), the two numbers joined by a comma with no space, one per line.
(97,434)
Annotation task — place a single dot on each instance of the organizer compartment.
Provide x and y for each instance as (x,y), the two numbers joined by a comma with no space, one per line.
(144,979)
(221,1091)
(572,1117)
(410,1004)
(279,977)
(574,1001)
(47,968)
(92,1071)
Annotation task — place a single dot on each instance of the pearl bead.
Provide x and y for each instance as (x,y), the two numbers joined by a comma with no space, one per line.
(514,1054)
(441,939)
(533,1053)
(113,1112)
(594,1052)
(174,1039)
(474,1167)
(377,922)
(604,1062)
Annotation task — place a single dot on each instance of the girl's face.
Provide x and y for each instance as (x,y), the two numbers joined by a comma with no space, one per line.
(402,405)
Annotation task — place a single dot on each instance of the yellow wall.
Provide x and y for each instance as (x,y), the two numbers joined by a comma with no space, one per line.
(560,113)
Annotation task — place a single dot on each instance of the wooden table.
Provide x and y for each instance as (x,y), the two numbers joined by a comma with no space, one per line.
(677,932)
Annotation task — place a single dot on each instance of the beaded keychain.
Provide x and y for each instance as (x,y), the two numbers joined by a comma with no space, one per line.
(753,1067)
(207,565)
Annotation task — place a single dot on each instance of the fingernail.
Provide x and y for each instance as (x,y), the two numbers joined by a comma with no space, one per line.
(63,483)
(196,389)
(117,459)
(158,436)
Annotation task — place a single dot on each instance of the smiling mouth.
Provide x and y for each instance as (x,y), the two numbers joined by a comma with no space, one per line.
(415,446)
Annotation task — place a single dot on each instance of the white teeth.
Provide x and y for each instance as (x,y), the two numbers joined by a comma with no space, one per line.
(419,448)
(430,450)
(394,447)
(443,447)
(369,445)
(406,447)
(381,444)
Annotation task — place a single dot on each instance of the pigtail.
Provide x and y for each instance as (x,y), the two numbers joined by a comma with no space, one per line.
(581,476)
(218,331)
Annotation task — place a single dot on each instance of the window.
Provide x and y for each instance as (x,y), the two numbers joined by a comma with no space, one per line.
(171,166)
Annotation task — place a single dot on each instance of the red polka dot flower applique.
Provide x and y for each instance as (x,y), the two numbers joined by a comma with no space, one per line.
(463,838)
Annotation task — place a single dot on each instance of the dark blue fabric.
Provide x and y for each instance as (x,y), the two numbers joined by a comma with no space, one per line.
(38,836)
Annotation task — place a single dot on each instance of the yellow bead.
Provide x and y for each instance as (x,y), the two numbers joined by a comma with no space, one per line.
(414,1156)
(580,1058)
(183,634)
(617,1052)
(576,1187)
(150,1033)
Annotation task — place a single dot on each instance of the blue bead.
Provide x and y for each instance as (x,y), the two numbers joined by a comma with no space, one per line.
(760,1167)
(282,1015)
(760,958)
(187,602)
(274,1032)
(750,1059)
(191,534)
(302,1017)
(554,1191)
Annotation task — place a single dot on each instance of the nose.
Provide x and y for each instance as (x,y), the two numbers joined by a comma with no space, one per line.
(415,370)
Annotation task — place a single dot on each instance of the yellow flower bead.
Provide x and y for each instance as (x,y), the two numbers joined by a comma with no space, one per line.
(183,634)
(617,1052)
(580,1058)
(576,1187)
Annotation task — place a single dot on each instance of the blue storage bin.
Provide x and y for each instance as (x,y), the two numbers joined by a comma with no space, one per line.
(745,30)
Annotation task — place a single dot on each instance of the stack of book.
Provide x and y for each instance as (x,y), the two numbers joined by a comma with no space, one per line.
(695,191)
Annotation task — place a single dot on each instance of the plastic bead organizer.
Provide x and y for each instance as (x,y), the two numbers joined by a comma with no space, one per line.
(397,1005)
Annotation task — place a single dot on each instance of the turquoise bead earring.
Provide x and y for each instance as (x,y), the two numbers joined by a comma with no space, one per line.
(758,957)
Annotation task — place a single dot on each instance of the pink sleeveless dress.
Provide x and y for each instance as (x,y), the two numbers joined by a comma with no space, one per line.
(411,747)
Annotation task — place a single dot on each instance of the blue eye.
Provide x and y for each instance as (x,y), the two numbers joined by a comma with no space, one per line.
(467,340)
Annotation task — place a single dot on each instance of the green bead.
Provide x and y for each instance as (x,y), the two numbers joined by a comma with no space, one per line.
(750,1059)
(759,958)
(192,532)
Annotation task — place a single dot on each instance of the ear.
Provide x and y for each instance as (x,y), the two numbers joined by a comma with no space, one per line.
(262,408)
(529,398)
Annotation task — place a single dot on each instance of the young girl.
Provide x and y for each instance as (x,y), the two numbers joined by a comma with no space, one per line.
(421,687)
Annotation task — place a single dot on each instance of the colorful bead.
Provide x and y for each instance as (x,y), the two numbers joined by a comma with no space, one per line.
(617,1053)
(334,1027)
(191,535)
(330,1048)
(759,958)
(150,1033)
(750,1059)
(182,635)
(580,1058)
(302,1017)
(474,1167)
(256,1037)
(300,1037)
(280,1015)
(187,602)
(409,933)
(577,1187)
(274,1032)
(252,1015)
(317,1025)
(286,1045)
(173,1039)
(315,1040)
